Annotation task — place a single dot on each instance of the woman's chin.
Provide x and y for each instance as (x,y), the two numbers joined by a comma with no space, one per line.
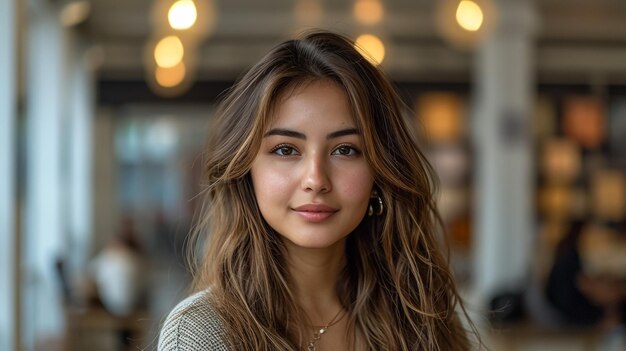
(313,243)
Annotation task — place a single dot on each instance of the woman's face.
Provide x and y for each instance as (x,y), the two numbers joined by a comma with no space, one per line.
(311,180)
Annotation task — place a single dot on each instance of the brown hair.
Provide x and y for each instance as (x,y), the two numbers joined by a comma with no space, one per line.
(396,285)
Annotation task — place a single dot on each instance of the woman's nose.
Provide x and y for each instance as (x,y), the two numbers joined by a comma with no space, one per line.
(316,178)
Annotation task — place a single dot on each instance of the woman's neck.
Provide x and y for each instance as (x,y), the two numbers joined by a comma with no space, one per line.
(314,273)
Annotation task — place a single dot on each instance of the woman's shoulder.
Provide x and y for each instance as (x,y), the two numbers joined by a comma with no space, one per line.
(193,325)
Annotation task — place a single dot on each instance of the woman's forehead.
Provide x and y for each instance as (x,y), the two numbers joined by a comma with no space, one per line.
(322,99)
(316,105)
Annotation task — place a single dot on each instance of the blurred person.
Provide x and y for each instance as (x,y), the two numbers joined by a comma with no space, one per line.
(121,281)
(118,271)
(319,219)
(587,282)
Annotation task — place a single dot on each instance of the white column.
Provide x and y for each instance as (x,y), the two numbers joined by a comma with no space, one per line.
(8,237)
(44,238)
(79,182)
(504,98)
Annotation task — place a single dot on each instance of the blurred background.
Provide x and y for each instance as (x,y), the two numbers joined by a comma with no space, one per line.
(105,106)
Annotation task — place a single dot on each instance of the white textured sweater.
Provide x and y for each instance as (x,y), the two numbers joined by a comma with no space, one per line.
(193,325)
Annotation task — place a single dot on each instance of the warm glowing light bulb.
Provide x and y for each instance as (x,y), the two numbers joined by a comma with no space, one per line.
(182,14)
(170,77)
(368,11)
(169,52)
(469,15)
(371,47)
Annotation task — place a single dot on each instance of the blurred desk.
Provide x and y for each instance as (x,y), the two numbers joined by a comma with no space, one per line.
(95,329)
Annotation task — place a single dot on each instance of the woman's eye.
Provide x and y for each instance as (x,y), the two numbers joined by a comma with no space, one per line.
(345,150)
(285,150)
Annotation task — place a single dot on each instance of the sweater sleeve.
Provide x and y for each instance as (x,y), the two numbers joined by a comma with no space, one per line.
(193,325)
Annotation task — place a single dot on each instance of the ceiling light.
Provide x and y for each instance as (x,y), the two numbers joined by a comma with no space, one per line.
(371,47)
(170,77)
(182,14)
(469,15)
(169,52)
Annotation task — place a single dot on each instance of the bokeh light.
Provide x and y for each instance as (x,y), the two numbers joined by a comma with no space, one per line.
(75,13)
(171,76)
(371,47)
(469,15)
(169,52)
(368,12)
(182,15)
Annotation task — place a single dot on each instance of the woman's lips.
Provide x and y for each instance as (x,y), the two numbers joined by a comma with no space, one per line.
(315,212)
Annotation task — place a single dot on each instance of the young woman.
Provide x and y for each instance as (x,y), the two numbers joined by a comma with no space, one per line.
(319,225)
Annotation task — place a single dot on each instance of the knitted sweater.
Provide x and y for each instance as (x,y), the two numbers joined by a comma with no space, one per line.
(193,325)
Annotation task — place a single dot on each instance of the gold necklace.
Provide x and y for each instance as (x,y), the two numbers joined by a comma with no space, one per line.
(317,335)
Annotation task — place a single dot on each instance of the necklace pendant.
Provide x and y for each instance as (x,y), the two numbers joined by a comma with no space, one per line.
(317,334)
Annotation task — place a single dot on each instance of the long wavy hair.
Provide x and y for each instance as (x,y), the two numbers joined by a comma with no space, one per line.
(396,284)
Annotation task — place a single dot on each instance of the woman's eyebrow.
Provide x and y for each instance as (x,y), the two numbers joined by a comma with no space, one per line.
(285,132)
(343,132)
(294,134)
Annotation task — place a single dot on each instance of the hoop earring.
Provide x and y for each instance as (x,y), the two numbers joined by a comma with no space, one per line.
(376,205)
